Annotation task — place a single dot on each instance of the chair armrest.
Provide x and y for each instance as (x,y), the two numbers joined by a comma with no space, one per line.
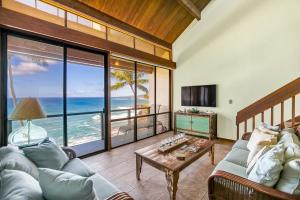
(246,136)
(120,196)
(70,152)
(224,185)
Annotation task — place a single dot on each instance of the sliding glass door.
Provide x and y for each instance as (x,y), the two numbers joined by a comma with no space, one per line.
(163,110)
(34,73)
(145,100)
(122,101)
(61,91)
(85,101)
(57,91)
(140,101)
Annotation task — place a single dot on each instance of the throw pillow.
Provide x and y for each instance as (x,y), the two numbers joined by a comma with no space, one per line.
(289,181)
(47,154)
(18,185)
(257,141)
(15,160)
(260,138)
(76,166)
(291,152)
(288,137)
(267,169)
(264,125)
(264,150)
(67,186)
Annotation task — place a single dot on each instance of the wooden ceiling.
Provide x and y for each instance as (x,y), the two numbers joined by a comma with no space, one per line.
(164,19)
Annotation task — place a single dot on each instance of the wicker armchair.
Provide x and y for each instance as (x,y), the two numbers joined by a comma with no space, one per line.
(226,186)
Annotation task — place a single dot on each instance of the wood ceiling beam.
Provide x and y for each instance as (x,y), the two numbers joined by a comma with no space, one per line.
(189,6)
(87,10)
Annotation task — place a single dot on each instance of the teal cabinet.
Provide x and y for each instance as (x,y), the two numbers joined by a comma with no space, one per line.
(200,124)
(183,122)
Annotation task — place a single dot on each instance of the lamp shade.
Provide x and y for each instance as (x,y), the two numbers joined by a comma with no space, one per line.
(28,109)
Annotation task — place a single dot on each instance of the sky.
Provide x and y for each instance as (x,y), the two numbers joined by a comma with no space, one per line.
(46,80)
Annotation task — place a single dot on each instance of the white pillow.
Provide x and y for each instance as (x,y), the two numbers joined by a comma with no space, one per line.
(257,141)
(289,181)
(268,131)
(260,138)
(264,125)
(264,150)
(291,152)
(267,169)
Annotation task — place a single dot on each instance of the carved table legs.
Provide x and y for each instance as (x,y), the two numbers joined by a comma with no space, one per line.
(172,180)
(139,163)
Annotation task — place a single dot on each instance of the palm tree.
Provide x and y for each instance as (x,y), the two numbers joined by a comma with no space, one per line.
(126,78)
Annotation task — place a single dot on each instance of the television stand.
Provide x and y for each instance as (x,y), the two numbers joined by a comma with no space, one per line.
(197,124)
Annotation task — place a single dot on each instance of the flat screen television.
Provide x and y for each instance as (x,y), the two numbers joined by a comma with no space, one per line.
(203,95)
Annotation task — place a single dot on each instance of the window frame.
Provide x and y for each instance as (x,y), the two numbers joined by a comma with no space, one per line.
(3,78)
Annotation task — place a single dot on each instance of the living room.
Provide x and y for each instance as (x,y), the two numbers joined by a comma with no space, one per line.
(150,99)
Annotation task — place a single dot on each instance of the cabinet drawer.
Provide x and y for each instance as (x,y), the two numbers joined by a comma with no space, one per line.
(200,124)
(183,122)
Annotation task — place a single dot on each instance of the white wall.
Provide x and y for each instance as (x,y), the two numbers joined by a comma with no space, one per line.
(249,48)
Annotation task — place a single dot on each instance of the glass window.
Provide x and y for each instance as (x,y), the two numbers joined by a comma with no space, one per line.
(162,123)
(163,53)
(122,132)
(30,3)
(86,26)
(145,127)
(61,13)
(145,89)
(122,100)
(47,8)
(144,46)
(35,77)
(162,90)
(119,37)
(37,9)
(85,22)
(72,17)
(85,99)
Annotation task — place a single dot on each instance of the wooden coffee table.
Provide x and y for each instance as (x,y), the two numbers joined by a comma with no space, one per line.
(168,163)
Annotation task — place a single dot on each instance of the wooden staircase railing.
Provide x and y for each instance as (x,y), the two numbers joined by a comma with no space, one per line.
(289,91)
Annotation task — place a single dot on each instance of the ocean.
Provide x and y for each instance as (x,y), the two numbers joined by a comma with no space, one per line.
(80,128)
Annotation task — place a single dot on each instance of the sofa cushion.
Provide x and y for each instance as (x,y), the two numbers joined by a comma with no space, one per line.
(47,154)
(289,181)
(18,185)
(63,185)
(267,169)
(288,137)
(232,168)
(237,156)
(103,188)
(241,144)
(15,159)
(76,166)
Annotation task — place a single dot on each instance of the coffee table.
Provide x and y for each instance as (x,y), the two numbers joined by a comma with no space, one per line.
(168,163)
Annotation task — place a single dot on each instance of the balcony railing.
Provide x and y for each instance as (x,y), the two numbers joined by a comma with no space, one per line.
(80,139)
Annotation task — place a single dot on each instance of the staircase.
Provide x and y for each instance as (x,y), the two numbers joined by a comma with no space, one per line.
(278,98)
